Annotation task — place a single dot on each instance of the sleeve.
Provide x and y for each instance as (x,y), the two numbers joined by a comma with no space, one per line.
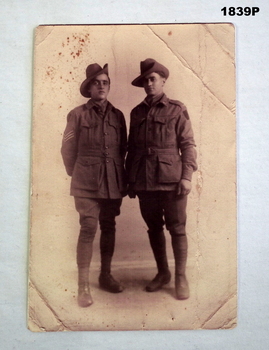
(186,145)
(69,147)
(123,146)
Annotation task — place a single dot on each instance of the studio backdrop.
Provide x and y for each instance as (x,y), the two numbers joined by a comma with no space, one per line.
(200,58)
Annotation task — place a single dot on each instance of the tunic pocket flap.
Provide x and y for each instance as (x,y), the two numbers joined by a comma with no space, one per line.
(87,124)
(114,122)
(165,119)
(166,159)
(160,120)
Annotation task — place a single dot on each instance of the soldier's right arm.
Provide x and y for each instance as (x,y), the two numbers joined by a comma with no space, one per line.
(69,147)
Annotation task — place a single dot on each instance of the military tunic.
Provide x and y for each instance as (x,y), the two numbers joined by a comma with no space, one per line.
(93,151)
(160,147)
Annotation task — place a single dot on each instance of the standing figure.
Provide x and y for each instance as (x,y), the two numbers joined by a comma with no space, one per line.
(160,162)
(93,150)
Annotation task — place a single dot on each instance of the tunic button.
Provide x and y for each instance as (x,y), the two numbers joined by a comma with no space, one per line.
(105,133)
(107,161)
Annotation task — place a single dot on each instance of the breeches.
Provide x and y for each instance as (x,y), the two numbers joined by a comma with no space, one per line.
(163,207)
(90,212)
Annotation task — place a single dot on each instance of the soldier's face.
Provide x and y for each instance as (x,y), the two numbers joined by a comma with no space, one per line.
(99,88)
(153,84)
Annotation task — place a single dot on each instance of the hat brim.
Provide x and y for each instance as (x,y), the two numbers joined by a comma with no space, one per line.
(139,81)
(84,87)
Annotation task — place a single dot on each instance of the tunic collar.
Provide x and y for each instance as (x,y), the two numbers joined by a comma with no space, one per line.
(91,103)
(161,99)
(108,106)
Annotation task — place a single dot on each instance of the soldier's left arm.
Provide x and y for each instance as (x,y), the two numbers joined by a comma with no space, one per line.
(123,145)
(188,152)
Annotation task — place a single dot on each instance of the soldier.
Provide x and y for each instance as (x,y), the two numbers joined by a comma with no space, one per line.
(160,162)
(93,151)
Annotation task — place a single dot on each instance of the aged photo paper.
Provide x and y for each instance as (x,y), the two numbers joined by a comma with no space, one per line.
(201,61)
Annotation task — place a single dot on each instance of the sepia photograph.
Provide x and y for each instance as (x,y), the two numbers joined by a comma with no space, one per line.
(133,182)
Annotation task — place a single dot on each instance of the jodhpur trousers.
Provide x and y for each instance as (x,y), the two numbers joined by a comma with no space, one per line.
(163,207)
(90,212)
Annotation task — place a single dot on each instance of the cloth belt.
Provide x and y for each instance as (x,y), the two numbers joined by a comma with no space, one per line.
(106,153)
(151,151)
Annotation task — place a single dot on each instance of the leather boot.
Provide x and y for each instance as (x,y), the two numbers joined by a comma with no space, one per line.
(108,283)
(158,245)
(181,287)
(159,281)
(84,295)
(107,245)
(180,249)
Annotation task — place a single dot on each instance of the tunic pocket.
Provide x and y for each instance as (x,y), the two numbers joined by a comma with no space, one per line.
(88,133)
(86,174)
(169,168)
(164,128)
(120,175)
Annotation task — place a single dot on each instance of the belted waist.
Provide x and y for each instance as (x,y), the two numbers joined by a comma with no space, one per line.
(151,151)
(106,153)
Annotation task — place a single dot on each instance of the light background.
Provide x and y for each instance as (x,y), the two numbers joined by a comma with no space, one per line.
(201,63)
(18,21)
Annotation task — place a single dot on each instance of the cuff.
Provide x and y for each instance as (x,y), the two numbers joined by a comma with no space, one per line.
(187,173)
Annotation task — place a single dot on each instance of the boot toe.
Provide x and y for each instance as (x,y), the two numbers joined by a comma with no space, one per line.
(84,296)
(181,287)
(158,282)
(109,284)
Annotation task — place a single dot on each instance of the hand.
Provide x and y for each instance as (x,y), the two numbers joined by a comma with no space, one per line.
(184,187)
